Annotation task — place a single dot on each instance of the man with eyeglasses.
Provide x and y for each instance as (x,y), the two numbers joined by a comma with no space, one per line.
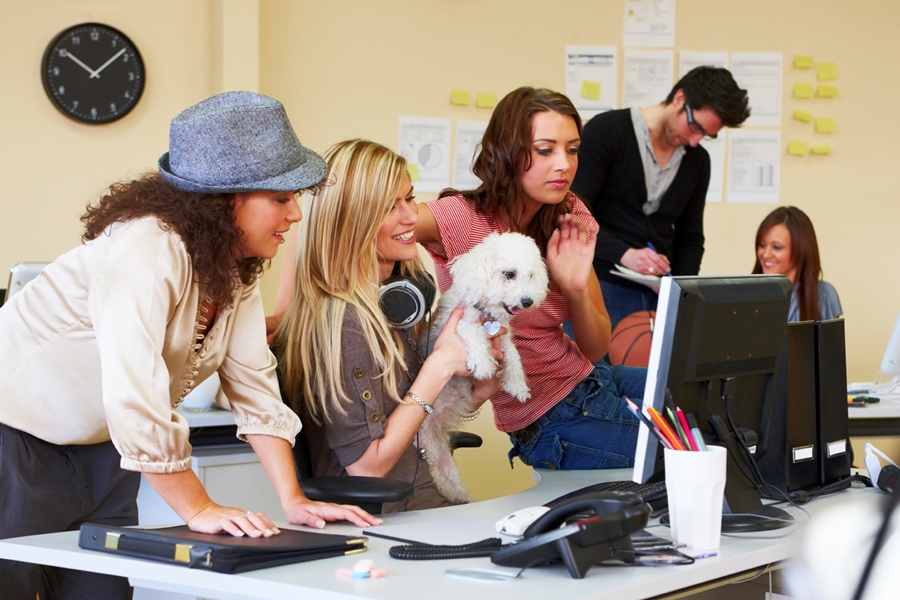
(644,175)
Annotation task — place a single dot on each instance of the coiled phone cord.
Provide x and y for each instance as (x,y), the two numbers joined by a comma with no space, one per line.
(485,547)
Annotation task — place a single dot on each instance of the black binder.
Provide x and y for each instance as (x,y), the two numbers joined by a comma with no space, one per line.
(222,553)
(831,392)
(792,460)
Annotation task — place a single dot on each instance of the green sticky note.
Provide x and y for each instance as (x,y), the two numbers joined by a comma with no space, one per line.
(802,115)
(820,149)
(826,71)
(590,90)
(413,170)
(460,97)
(485,100)
(825,125)
(827,90)
(802,61)
(803,90)
(797,148)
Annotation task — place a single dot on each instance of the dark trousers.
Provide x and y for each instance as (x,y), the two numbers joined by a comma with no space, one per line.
(45,488)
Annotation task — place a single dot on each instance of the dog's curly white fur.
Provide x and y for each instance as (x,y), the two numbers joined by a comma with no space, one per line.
(494,281)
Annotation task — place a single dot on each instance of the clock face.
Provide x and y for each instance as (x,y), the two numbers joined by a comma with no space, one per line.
(93,73)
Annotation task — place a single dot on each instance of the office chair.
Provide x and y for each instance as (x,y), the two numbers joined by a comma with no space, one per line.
(369,493)
(20,274)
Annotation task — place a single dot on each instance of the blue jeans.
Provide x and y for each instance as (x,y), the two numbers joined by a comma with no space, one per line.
(622,300)
(591,428)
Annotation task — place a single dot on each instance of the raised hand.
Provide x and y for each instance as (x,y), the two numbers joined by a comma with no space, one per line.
(570,255)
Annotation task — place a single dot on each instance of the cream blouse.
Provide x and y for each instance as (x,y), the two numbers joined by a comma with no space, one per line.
(104,344)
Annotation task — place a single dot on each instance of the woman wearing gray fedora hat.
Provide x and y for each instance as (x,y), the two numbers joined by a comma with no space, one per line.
(110,338)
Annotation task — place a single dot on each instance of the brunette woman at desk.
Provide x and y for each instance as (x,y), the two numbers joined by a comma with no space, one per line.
(786,245)
(102,346)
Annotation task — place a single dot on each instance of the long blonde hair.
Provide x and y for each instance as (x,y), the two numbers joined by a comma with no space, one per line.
(336,269)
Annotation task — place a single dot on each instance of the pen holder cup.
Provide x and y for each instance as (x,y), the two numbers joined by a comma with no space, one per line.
(695,484)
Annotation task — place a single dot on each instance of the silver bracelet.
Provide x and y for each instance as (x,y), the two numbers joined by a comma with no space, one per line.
(472,415)
(426,407)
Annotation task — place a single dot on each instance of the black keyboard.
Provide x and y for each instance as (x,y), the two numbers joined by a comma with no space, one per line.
(653,494)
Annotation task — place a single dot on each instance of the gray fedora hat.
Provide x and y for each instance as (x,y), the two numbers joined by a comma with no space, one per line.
(238,142)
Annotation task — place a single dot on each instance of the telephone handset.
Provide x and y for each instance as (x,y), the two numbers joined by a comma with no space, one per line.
(581,532)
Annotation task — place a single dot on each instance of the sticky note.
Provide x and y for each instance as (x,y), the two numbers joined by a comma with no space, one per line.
(825,125)
(460,97)
(590,90)
(796,148)
(413,170)
(803,90)
(803,62)
(820,149)
(826,71)
(485,100)
(827,90)
(802,115)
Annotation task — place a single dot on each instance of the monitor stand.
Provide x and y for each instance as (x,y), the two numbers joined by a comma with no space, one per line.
(743,498)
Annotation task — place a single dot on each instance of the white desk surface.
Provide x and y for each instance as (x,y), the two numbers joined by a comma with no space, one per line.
(887,408)
(214,417)
(411,580)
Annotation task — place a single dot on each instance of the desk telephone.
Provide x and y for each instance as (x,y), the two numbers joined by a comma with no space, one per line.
(581,532)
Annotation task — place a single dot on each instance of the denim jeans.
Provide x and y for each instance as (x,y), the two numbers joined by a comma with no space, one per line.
(591,428)
(622,300)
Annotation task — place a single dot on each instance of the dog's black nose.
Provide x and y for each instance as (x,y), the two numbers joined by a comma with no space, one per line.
(526,302)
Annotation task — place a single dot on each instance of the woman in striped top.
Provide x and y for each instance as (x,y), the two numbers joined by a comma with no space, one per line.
(576,417)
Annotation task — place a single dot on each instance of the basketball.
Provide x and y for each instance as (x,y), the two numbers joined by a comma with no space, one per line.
(630,343)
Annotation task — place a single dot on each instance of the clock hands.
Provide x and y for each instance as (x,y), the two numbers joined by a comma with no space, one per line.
(106,64)
(84,66)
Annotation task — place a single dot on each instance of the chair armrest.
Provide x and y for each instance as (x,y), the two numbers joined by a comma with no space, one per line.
(356,490)
(464,439)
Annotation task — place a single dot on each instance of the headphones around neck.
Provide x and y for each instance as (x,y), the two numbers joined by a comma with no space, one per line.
(405,300)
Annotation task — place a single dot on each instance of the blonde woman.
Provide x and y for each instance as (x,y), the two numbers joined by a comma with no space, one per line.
(362,388)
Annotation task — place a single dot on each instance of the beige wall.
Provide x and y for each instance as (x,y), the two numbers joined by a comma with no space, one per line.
(347,68)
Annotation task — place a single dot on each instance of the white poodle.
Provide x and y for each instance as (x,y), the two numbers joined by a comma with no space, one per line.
(494,281)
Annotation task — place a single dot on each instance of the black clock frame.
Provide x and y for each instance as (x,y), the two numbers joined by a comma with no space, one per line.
(77,90)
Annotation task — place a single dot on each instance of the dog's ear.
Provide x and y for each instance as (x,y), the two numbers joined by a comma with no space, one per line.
(473,270)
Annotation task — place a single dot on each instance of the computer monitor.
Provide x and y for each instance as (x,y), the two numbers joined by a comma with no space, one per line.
(715,337)
(890,362)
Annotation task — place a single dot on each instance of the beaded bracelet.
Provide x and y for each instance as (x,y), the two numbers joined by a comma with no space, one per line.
(472,415)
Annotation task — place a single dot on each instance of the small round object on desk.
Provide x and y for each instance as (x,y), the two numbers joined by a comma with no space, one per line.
(631,339)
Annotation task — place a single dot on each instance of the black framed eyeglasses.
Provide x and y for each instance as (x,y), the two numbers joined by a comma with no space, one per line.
(694,125)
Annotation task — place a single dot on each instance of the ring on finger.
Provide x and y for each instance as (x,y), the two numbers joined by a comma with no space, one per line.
(248,513)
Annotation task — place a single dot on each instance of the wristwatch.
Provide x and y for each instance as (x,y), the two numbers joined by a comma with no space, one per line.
(426,407)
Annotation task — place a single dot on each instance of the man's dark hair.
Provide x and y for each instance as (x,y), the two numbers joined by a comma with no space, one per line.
(714,87)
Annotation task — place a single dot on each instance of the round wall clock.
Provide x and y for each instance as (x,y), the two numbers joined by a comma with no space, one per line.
(93,73)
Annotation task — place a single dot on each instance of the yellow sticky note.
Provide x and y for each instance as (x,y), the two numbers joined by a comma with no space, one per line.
(826,71)
(802,115)
(827,90)
(485,100)
(797,148)
(825,125)
(590,90)
(803,90)
(413,170)
(460,97)
(803,62)
(820,149)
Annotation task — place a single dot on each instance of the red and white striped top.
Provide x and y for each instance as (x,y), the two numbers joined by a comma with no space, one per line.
(553,363)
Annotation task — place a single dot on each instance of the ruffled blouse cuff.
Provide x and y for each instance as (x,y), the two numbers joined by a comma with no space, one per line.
(130,464)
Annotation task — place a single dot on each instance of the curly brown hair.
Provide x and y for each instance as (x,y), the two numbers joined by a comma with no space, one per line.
(205,223)
(506,154)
